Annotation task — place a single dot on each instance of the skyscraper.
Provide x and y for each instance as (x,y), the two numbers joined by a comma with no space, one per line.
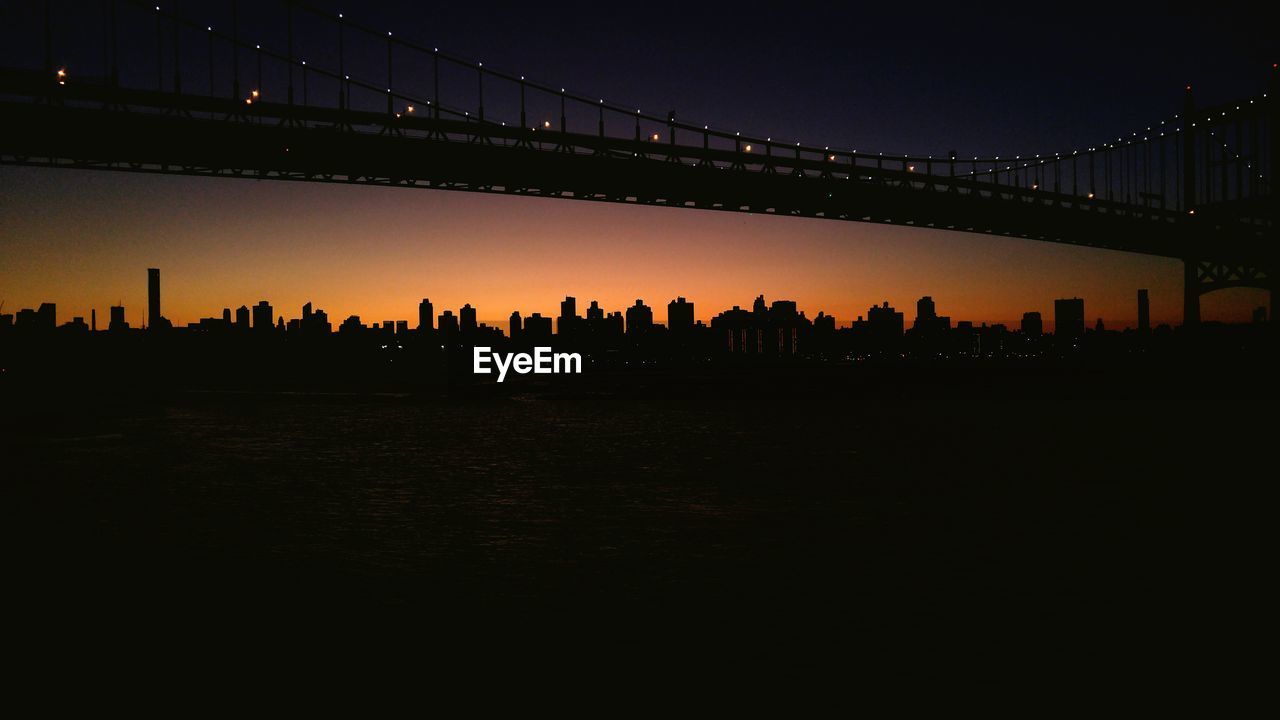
(885,326)
(448,324)
(680,316)
(262,316)
(426,317)
(567,322)
(1068,317)
(925,311)
(153,298)
(242,317)
(117,319)
(467,320)
(1032,324)
(639,318)
(1144,311)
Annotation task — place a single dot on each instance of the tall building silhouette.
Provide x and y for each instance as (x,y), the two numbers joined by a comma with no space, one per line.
(448,325)
(568,320)
(1144,311)
(467,320)
(117,319)
(928,323)
(639,318)
(1068,317)
(1032,324)
(426,316)
(242,317)
(885,326)
(262,316)
(680,316)
(153,298)
(515,328)
(925,311)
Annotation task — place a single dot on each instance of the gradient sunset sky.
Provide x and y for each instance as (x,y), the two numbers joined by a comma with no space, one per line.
(1003,81)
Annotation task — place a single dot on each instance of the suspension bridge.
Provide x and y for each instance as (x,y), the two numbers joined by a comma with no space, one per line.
(166,92)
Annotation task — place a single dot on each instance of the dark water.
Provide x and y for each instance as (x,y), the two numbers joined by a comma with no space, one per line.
(1031,494)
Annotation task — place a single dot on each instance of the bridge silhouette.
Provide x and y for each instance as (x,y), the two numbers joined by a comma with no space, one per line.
(1197,186)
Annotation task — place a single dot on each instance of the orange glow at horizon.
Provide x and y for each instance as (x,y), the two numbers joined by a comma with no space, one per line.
(375,252)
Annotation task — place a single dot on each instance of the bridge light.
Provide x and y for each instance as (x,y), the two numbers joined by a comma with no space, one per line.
(1035,186)
(62,76)
(654,137)
(747,149)
(546,124)
(254,93)
(409,109)
(1090,196)
(832,158)
(911,168)
(1191,212)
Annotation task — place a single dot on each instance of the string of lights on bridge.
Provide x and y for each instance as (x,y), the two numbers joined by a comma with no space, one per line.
(742,144)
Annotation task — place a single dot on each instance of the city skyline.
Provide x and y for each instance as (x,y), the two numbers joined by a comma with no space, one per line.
(309,259)
(432,316)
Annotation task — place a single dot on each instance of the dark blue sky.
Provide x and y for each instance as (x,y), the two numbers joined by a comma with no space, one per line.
(1004,79)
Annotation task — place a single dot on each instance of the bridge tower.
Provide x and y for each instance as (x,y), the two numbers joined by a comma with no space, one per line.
(1202,272)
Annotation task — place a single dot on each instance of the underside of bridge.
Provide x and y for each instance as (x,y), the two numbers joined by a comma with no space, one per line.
(98,127)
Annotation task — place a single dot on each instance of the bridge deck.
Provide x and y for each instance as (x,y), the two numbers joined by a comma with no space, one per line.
(93,125)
